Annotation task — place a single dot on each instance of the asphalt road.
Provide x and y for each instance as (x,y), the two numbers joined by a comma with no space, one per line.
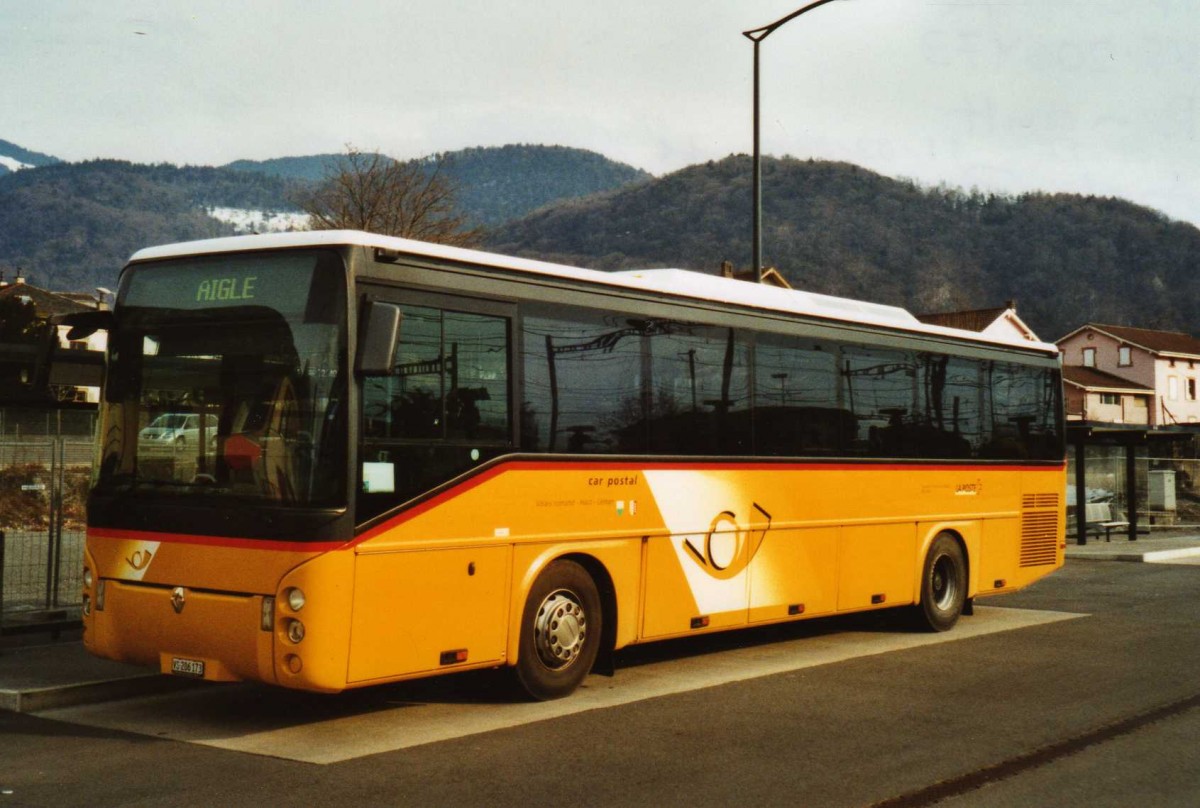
(1097,710)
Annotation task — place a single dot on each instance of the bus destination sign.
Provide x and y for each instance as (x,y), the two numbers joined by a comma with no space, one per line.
(212,290)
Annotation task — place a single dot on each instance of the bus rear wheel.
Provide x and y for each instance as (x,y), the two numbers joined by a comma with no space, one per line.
(560,631)
(943,585)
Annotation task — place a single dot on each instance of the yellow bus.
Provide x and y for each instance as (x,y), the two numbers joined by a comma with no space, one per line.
(411,459)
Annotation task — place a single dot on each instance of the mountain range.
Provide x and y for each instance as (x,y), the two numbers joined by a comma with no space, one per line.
(14,158)
(829,227)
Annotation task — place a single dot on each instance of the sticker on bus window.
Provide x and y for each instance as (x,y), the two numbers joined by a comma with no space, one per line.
(379,478)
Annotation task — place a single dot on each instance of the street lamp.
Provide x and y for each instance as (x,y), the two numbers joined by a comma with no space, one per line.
(757,35)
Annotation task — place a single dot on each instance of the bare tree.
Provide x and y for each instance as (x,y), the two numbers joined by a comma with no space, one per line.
(370,191)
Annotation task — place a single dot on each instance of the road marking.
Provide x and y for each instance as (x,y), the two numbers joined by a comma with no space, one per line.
(330,729)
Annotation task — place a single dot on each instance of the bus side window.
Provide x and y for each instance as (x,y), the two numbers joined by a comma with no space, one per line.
(444,408)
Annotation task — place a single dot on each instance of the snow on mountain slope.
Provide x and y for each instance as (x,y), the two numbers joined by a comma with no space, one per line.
(13,164)
(257,221)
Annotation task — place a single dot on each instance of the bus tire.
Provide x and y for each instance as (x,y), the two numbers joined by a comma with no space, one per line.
(560,631)
(943,585)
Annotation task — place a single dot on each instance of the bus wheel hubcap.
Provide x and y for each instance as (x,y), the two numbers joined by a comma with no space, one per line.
(560,629)
(944,585)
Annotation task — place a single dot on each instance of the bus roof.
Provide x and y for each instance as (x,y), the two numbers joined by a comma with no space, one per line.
(676,282)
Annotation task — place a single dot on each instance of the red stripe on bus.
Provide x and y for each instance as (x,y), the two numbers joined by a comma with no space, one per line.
(534,465)
(278,545)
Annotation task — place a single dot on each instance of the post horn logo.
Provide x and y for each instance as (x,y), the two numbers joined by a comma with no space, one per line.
(727,548)
(178,599)
(139,560)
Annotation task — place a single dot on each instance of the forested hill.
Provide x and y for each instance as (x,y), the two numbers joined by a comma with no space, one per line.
(840,229)
(494,184)
(829,227)
(309,168)
(71,226)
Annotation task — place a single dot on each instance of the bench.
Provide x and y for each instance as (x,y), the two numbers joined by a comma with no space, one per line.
(1099,516)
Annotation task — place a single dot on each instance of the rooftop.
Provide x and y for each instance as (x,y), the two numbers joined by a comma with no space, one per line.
(676,282)
(1093,379)
(1162,342)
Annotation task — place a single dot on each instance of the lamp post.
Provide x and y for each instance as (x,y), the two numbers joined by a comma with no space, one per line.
(757,35)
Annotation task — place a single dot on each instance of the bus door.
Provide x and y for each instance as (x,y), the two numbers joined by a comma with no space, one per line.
(433,580)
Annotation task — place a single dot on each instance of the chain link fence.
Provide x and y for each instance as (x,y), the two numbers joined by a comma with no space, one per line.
(45,468)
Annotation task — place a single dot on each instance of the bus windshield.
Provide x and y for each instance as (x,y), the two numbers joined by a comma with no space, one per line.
(226,379)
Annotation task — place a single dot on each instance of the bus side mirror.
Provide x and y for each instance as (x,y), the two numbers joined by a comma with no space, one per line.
(85,323)
(378,335)
(72,368)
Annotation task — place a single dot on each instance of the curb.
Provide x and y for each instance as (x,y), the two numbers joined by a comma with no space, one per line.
(1167,555)
(49,698)
(1148,556)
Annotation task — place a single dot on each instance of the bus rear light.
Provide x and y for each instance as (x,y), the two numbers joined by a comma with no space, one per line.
(700,622)
(295,599)
(877,599)
(796,608)
(267,620)
(454,657)
(1000,582)
(295,631)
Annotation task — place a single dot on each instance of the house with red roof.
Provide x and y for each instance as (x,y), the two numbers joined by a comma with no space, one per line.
(1112,373)
(1095,396)
(1000,321)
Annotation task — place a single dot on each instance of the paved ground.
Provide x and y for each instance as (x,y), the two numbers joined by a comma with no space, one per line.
(1084,711)
(37,676)
(277,723)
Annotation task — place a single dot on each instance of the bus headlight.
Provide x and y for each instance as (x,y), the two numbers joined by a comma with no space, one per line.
(87,605)
(295,631)
(87,577)
(295,599)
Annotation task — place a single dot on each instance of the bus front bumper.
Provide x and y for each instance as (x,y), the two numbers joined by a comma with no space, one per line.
(194,633)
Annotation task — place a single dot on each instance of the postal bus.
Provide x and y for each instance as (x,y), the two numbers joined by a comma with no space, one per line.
(411,459)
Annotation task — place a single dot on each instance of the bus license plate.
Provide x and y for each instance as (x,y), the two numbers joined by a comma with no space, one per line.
(187,667)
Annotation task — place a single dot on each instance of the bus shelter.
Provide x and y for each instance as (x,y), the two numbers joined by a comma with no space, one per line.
(1124,477)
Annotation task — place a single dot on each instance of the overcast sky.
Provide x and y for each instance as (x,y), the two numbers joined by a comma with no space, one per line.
(1096,96)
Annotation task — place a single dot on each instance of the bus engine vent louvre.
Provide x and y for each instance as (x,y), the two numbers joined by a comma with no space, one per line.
(1039,529)
(1039,501)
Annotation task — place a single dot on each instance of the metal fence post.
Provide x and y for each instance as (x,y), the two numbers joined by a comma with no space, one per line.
(51,562)
(2,543)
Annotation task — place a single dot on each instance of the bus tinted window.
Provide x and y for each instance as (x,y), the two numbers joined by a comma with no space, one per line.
(799,406)
(583,383)
(443,409)
(225,380)
(605,384)
(700,386)
(1024,407)
(610,384)
(450,381)
(955,396)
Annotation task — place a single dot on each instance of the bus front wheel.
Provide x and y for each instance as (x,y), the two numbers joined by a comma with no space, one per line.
(943,585)
(560,631)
